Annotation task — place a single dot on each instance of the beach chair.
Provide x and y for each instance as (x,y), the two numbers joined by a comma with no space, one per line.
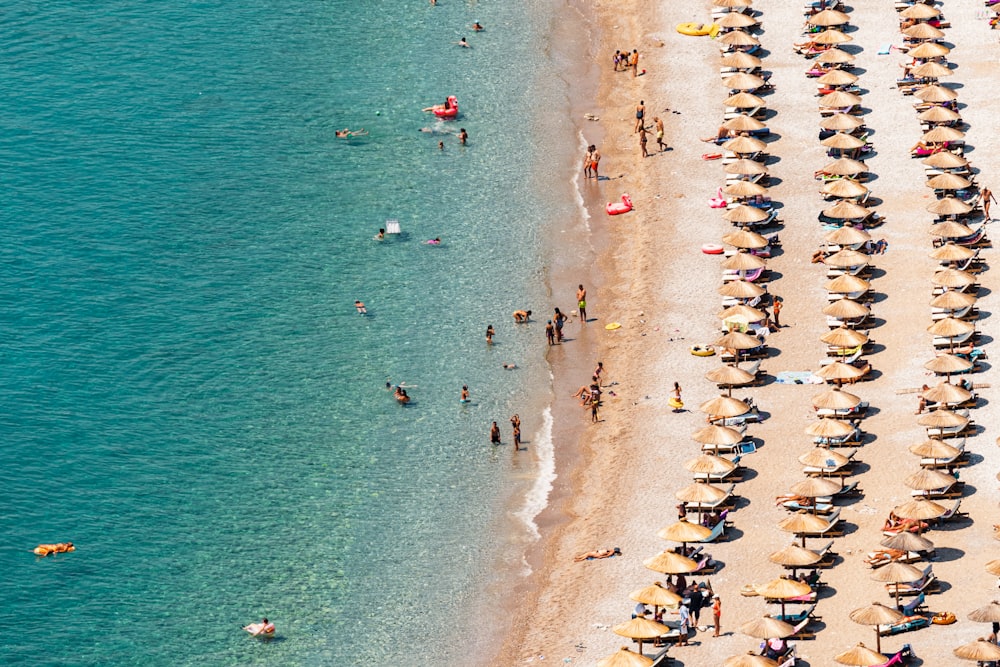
(728,500)
(661,659)
(899,658)
(795,619)
(849,490)
(855,437)
(808,598)
(960,459)
(802,631)
(953,490)
(952,513)
(876,559)
(916,605)
(818,508)
(833,471)
(828,557)
(706,565)
(830,530)
(718,532)
(906,624)
(926,583)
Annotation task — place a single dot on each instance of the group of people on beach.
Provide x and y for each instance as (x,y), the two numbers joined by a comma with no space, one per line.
(624,60)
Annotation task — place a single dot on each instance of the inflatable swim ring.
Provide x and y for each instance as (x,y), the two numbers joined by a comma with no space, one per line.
(698,29)
(702,350)
(625,206)
(675,404)
(943,618)
(612,326)
(441,112)
(712,249)
(49,549)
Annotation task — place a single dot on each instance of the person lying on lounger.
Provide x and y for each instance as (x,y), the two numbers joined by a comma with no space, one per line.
(884,556)
(594,555)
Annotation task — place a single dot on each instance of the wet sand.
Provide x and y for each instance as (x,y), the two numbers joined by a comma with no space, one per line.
(621,483)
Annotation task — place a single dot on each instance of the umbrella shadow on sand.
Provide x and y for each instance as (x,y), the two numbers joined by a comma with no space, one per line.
(947,554)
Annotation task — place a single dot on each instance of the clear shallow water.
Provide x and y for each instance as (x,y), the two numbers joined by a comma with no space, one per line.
(188,393)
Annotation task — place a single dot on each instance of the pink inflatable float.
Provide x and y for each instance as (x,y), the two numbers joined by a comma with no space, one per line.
(718,201)
(617,208)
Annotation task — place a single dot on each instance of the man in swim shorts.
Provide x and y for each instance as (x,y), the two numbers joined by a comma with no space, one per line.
(595,159)
(659,133)
(581,302)
(640,111)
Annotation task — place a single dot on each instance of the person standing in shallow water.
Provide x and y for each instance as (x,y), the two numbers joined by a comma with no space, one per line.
(581,302)
(595,159)
(495,434)
(550,333)
(588,161)
(489,334)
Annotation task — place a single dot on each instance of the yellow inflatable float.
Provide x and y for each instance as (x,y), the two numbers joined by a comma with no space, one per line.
(49,549)
(702,350)
(698,29)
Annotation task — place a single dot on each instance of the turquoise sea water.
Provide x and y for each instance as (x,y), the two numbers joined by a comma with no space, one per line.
(188,394)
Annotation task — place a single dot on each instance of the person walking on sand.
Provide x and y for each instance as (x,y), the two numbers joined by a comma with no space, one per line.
(640,112)
(594,416)
(642,142)
(987,198)
(550,333)
(588,161)
(495,434)
(716,614)
(489,334)
(776,310)
(581,303)
(598,371)
(634,63)
(659,133)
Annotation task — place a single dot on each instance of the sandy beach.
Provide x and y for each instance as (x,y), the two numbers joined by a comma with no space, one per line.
(619,489)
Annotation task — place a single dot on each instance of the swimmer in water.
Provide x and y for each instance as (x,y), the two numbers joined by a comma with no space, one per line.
(381,235)
(509,367)
(465,394)
(441,145)
(464,43)
(346,132)
(360,307)
(463,136)
(434,241)
(478,27)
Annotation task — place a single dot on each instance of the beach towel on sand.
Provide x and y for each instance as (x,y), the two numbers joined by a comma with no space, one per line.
(798,377)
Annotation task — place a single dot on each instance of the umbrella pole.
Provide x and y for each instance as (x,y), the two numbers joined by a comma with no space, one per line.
(878,641)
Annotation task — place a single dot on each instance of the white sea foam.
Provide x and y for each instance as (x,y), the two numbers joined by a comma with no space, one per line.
(537,497)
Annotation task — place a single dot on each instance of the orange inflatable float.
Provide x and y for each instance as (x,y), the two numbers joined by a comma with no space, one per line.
(49,549)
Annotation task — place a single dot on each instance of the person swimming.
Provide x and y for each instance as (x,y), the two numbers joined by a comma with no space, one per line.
(478,27)
(347,132)
(434,241)
(360,306)
(464,43)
